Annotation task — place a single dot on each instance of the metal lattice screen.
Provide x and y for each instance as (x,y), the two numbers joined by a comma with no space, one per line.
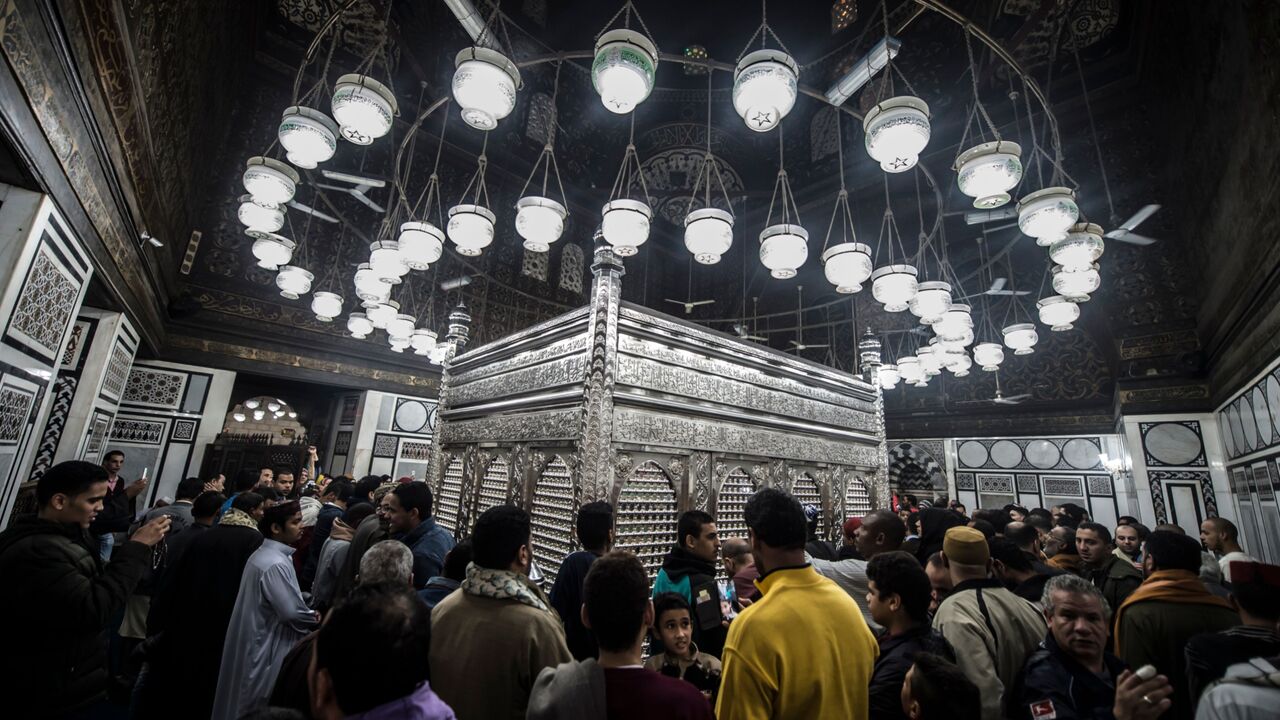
(806,491)
(738,487)
(857,499)
(552,517)
(493,486)
(646,517)
(450,496)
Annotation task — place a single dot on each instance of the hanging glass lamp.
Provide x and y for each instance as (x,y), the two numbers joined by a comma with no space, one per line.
(765,85)
(363,107)
(987,172)
(484,85)
(623,69)
(896,132)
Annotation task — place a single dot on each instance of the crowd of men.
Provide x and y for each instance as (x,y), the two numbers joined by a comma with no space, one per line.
(288,597)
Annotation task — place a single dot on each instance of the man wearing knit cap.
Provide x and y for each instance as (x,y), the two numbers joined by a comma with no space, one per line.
(990,627)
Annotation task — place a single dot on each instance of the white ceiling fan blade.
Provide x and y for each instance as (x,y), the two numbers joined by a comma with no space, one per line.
(312,211)
(823,345)
(339,188)
(371,204)
(696,303)
(997,285)
(1006,293)
(1135,239)
(353,179)
(983,216)
(1138,217)
(677,302)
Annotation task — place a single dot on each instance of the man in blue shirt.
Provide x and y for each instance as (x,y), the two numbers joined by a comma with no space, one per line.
(409,513)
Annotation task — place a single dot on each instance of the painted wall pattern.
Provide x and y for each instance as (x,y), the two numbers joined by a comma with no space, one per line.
(1249,423)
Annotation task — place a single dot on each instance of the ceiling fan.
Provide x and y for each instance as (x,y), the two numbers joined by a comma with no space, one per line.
(1125,231)
(798,344)
(362,185)
(977,217)
(742,332)
(690,304)
(997,288)
(1000,398)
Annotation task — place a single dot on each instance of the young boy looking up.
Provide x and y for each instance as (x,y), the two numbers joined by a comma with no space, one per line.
(680,658)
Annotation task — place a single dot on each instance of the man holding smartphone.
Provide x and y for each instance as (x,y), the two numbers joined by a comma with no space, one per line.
(118,507)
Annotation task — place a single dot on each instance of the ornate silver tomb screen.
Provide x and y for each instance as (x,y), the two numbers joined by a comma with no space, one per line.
(656,415)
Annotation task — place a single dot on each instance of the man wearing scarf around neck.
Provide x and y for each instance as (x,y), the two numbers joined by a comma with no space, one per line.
(490,641)
(1156,621)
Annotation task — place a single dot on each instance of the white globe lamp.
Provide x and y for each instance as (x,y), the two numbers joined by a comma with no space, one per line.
(847,266)
(625,225)
(764,88)
(471,228)
(894,286)
(1021,338)
(1048,214)
(419,244)
(294,282)
(326,306)
(308,136)
(271,250)
(987,172)
(485,83)
(708,234)
(896,132)
(1057,312)
(623,69)
(783,249)
(363,107)
(269,181)
(540,221)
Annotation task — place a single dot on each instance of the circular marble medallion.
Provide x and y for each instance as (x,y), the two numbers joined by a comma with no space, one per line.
(1273,400)
(1228,440)
(411,416)
(1006,453)
(1237,429)
(972,454)
(1261,415)
(1172,443)
(1245,410)
(1081,454)
(1042,454)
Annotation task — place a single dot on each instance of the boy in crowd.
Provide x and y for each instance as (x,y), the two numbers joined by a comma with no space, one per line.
(673,626)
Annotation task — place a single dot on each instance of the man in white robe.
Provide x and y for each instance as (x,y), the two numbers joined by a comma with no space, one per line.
(269,618)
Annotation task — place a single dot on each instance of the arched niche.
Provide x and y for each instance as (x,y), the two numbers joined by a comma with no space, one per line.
(552,516)
(857,495)
(646,515)
(913,469)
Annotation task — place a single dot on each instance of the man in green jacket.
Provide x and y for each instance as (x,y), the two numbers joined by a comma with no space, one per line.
(1116,578)
(61,596)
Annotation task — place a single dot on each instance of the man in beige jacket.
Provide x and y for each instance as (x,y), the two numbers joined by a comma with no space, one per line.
(491,638)
(992,629)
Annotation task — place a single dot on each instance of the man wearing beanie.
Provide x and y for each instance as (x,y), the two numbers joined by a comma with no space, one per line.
(990,627)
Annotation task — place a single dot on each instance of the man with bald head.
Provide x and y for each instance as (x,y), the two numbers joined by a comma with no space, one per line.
(739,564)
(881,531)
(1220,537)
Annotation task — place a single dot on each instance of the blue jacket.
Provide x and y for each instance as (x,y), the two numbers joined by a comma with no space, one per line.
(429,543)
(437,589)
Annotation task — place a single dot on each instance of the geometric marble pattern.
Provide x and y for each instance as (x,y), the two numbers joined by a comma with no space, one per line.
(535,265)
(1063,486)
(1099,485)
(183,430)
(15,404)
(965,481)
(147,386)
(342,443)
(46,305)
(144,432)
(410,450)
(1002,484)
(117,372)
(1028,484)
(64,390)
(384,446)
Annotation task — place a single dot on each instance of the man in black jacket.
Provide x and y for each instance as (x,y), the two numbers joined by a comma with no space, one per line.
(1071,675)
(191,614)
(898,598)
(595,533)
(689,570)
(60,595)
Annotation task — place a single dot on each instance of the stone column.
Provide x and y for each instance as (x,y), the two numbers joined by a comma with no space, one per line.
(596,433)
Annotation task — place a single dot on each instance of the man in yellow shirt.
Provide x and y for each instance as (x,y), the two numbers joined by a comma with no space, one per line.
(803,650)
